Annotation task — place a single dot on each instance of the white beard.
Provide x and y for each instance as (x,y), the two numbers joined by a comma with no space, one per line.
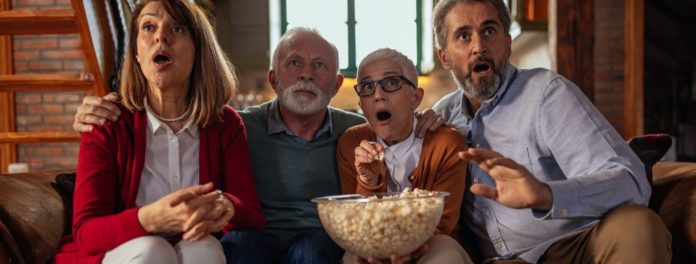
(300,104)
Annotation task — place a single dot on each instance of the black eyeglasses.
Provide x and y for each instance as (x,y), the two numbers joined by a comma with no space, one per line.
(389,84)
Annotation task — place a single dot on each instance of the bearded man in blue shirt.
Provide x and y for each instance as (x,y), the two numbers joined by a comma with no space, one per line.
(550,180)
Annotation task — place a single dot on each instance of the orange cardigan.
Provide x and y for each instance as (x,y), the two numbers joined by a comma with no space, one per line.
(439,169)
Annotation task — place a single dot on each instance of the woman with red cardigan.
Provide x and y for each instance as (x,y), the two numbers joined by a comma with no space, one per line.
(174,168)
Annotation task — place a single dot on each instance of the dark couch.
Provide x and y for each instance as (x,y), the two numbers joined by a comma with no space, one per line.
(33,212)
(32,216)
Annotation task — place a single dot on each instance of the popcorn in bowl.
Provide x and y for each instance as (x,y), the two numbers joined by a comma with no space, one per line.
(380,225)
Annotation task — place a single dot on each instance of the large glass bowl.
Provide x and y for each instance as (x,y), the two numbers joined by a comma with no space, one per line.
(381,224)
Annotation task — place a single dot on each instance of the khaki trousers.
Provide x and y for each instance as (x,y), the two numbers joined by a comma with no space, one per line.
(626,234)
(442,249)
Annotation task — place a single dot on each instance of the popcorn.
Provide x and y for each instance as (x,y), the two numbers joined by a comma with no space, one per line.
(380,156)
(381,226)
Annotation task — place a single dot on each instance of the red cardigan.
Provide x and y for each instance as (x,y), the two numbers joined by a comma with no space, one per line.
(110,163)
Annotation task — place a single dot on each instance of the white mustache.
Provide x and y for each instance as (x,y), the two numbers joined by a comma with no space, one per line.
(303,86)
(302,104)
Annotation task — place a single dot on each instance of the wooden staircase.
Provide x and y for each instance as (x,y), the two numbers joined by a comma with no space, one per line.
(36,22)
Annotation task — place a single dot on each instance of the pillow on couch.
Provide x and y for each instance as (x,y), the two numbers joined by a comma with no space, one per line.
(650,149)
(66,183)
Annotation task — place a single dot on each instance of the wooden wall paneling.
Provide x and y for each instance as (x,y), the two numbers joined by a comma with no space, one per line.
(633,67)
(575,41)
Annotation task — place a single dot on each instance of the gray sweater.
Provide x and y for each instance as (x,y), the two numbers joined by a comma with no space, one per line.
(289,173)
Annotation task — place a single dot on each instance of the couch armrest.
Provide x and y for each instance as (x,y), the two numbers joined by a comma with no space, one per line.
(9,252)
(674,199)
(32,215)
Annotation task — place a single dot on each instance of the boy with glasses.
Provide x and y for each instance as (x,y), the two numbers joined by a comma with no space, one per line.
(385,156)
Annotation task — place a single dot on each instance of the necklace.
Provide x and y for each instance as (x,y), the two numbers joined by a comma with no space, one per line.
(163,119)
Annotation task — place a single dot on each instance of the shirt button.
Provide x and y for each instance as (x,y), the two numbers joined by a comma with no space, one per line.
(487,213)
(478,145)
(498,245)
(476,179)
(564,212)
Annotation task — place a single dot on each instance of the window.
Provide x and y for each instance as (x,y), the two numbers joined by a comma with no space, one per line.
(358,27)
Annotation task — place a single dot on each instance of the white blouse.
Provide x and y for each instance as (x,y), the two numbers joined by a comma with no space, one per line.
(171,160)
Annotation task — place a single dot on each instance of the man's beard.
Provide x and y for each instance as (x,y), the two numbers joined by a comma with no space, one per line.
(302,104)
(486,87)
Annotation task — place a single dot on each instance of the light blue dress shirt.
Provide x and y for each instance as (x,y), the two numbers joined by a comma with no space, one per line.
(544,122)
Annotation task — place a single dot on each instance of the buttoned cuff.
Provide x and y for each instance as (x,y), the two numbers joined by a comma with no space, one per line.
(566,201)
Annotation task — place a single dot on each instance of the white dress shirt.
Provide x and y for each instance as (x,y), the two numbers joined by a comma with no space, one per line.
(171,160)
(401,159)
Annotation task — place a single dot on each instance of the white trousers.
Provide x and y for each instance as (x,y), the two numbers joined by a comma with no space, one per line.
(156,250)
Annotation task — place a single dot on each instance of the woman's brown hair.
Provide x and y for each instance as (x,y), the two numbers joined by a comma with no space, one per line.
(212,81)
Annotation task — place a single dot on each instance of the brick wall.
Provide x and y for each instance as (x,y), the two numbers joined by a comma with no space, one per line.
(46,111)
(609,59)
(60,54)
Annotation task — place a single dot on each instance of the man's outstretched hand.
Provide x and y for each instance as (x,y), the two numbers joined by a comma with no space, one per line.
(515,186)
(95,110)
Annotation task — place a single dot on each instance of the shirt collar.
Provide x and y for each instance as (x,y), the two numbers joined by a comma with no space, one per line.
(400,149)
(277,125)
(510,72)
(155,124)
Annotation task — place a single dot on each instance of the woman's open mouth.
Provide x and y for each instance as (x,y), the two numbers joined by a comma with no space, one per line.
(161,60)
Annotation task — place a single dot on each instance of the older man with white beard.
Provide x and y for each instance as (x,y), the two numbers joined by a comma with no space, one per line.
(292,144)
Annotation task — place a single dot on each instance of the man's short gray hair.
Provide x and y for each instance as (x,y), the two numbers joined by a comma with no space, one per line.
(407,66)
(443,8)
(298,30)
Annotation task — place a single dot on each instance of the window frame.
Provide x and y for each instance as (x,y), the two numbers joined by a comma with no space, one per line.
(424,60)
